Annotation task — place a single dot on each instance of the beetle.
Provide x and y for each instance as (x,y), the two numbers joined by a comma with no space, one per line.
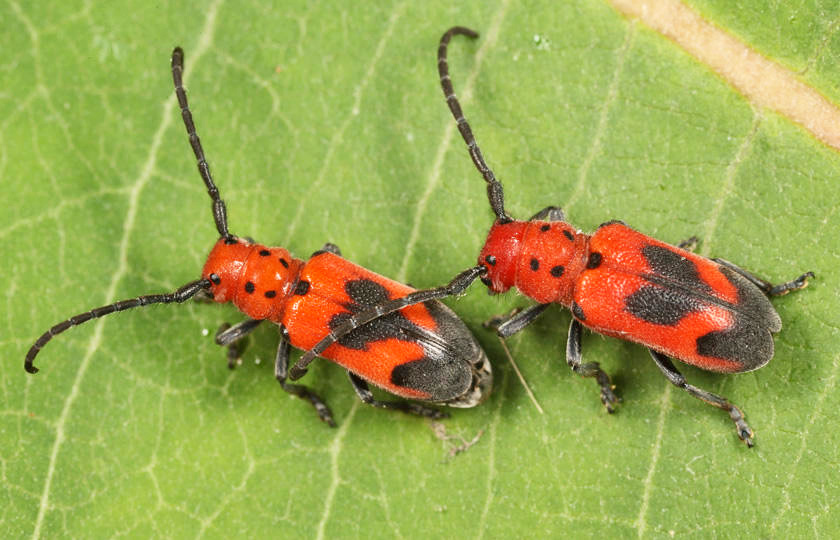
(420,351)
(621,283)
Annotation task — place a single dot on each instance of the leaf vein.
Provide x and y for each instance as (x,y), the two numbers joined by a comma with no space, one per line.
(122,268)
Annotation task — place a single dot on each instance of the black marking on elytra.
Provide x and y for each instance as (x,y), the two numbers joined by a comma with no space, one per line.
(264,253)
(557,271)
(215,279)
(545,227)
(747,344)
(249,287)
(752,302)
(439,369)
(443,375)
(284,262)
(490,259)
(231,240)
(679,274)
(270,294)
(661,305)
(568,234)
(594,260)
(364,294)
(673,267)
(302,287)
(749,340)
(535,265)
(577,311)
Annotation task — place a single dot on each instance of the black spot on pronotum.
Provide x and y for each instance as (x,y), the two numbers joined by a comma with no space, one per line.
(264,253)
(568,235)
(249,287)
(270,294)
(577,311)
(215,279)
(302,287)
(594,260)
(535,265)
(284,262)
(545,227)
(491,260)
(557,271)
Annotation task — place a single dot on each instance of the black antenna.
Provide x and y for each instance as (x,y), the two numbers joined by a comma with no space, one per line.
(495,194)
(184,293)
(219,210)
(455,287)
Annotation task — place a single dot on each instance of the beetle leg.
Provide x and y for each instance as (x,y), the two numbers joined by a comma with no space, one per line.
(231,337)
(329,247)
(281,370)
(204,296)
(549,213)
(676,378)
(364,393)
(689,244)
(507,325)
(769,289)
(574,358)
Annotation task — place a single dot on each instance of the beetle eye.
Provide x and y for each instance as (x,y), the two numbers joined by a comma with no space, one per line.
(215,279)
(491,260)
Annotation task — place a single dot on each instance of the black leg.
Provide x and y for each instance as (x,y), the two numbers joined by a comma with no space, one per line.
(231,337)
(689,244)
(281,370)
(769,289)
(364,393)
(574,358)
(204,297)
(549,213)
(329,247)
(676,378)
(508,325)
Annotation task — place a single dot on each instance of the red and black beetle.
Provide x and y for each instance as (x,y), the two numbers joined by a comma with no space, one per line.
(413,346)
(621,283)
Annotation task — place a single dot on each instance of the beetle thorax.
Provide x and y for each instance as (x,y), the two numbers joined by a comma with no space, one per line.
(540,258)
(553,255)
(256,278)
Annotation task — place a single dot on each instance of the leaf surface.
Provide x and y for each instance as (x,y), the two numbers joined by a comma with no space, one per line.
(325,122)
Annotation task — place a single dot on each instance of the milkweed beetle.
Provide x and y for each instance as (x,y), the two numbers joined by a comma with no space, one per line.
(419,350)
(621,283)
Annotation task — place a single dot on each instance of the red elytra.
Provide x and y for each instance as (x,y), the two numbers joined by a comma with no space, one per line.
(381,331)
(621,283)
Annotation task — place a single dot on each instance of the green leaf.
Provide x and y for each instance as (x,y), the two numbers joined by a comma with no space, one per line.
(326,123)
